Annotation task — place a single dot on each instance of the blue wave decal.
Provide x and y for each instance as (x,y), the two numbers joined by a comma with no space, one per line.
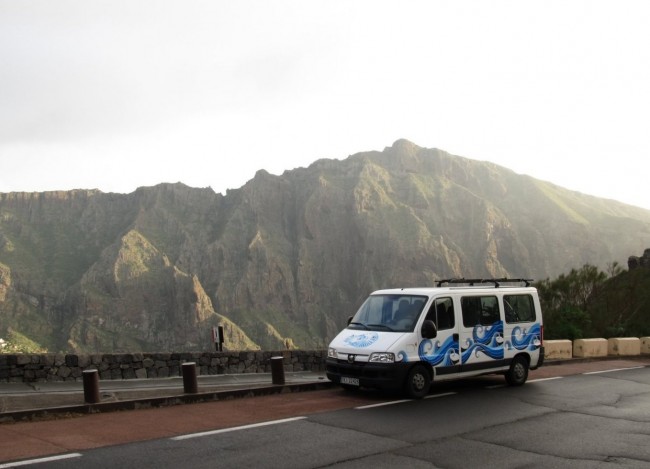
(402,356)
(436,354)
(485,339)
(530,339)
(361,340)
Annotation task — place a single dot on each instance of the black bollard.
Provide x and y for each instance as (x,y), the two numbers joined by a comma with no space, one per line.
(91,386)
(190,384)
(277,370)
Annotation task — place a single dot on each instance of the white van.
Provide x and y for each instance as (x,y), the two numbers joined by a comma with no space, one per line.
(406,338)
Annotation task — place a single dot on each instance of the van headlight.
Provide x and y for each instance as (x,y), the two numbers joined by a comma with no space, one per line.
(331,353)
(382,357)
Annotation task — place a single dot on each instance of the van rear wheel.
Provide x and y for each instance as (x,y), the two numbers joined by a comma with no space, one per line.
(518,372)
(418,382)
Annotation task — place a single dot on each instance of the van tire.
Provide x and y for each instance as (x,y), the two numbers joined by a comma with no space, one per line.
(418,382)
(518,372)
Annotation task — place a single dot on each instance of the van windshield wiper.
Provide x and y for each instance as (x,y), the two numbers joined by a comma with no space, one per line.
(359,324)
(382,325)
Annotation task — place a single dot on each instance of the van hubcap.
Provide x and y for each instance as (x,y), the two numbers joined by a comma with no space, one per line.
(418,381)
(519,371)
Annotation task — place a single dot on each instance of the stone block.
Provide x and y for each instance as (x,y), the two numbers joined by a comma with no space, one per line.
(124,358)
(48,359)
(584,348)
(558,349)
(84,361)
(23,359)
(59,359)
(71,360)
(645,345)
(64,371)
(623,346)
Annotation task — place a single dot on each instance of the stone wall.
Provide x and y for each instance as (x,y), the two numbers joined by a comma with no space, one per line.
(60,367)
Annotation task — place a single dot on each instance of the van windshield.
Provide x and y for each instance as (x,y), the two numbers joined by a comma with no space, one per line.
(393,313)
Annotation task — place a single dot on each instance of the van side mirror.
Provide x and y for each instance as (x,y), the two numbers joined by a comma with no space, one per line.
(429,330)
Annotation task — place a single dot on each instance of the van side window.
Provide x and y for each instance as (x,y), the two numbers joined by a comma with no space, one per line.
(442,313)
(519,308)
(479,310)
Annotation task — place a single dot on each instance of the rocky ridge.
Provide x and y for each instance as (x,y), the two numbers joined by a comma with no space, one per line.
(283,260)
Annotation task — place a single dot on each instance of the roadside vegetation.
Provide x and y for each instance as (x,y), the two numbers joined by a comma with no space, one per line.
(15,342)
(588,302)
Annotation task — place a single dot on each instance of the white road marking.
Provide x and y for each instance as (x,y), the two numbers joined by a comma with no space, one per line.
(544,379)
(433,396)
(615,369)
(40,460)
(234,429)
(382,404)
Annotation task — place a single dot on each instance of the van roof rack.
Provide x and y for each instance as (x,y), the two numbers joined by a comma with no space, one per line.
(496,282)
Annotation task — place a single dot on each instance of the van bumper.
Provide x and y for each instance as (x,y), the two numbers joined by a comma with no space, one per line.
(386,376)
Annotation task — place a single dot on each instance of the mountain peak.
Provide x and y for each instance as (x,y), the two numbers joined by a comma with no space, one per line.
(404,146)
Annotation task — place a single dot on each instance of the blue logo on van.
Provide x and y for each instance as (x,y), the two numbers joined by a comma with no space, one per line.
(362,340)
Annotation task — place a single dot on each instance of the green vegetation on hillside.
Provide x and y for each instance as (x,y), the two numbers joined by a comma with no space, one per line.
(18,343)
(588,302)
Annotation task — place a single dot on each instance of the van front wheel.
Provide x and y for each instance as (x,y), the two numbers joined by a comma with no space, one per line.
(518,372)
(418,382)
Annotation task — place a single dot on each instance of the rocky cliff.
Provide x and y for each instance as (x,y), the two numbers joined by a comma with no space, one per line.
(285,259)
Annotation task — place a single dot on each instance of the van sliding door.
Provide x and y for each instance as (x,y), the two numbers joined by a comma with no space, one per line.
(481,333)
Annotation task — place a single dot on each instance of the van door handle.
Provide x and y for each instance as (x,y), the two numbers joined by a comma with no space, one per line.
(456,337)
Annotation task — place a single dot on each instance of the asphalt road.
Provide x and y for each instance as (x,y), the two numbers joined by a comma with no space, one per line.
(595,420)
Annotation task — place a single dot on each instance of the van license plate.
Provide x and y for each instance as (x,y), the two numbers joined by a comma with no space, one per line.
(350,381)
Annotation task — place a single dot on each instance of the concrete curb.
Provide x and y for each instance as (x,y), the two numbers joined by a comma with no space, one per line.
(591,359)
(158,401)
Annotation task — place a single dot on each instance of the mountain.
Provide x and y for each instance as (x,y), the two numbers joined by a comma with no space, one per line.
(284,260)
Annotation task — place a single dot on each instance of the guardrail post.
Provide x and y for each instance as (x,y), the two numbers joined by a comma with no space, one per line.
(190,384)
(277,370)
(91,386)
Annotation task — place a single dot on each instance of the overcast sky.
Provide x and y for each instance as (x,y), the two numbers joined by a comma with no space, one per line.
(120,94)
